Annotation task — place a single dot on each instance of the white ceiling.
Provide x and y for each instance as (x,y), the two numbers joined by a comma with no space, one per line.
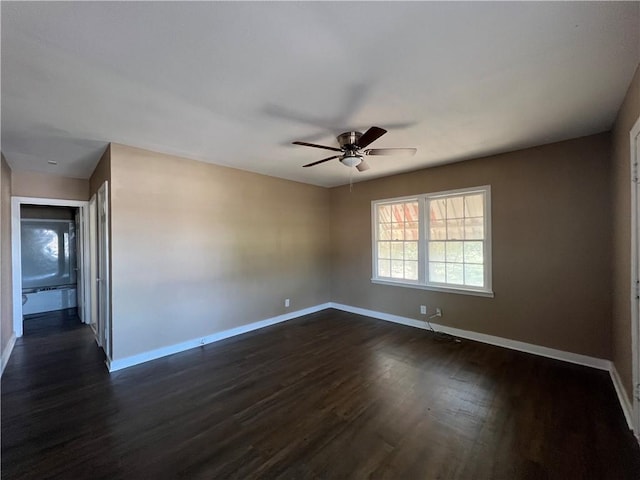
(235,83)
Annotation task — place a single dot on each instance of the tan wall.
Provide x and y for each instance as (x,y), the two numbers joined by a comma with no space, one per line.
(101,173)
(551,246)
(621,213)
(47,212)
(199,248)
(43,185)
(6,291)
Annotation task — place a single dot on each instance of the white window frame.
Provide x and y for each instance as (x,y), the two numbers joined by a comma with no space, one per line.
(423,251)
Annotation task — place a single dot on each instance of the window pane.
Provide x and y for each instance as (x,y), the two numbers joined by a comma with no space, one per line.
(473,252)
(41,256)
(455,273)
(436,251)
(474,275)
(398,231)
(438,230)
(455,207)
(384,213)
(437,272)
(474,228)
(438,209)
(384,231)
(454,252)
(411,251)
(455,229)
(397,211)
(397,269)
(411,212)
(384,268)
(474,205)
(411,270)
(384,250)
(411,231)
(397,250)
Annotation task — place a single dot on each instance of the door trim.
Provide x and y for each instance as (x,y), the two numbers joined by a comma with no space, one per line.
(16,251)
(80,243)
(635,274)
(103,258)
(93,266)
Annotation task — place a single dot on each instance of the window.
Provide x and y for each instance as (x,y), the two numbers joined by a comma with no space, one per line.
(437,241)
(48,252)
(398,235)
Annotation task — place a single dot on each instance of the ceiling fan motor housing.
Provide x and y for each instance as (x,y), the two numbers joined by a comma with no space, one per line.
(349,140)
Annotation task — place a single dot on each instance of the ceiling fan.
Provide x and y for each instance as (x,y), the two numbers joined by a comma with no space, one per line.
(352,146)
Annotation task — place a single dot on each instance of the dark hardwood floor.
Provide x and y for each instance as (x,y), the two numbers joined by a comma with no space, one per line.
(329,395)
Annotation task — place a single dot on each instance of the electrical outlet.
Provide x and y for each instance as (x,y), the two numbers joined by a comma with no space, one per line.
(438,311)
(286,302)
(423,309)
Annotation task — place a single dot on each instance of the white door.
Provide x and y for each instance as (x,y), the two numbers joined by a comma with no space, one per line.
(80,293)
(104,313)
(635,160)
(93,267)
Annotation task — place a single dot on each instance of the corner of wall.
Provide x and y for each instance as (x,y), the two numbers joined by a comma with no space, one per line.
(621,323)
(7,336)
(101,172)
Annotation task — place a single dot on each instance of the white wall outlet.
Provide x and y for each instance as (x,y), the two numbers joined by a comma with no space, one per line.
(286,302)
(438,311)
(423,309)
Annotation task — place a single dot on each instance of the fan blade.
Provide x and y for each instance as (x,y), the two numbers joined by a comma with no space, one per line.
(370,135)
(305,144)
(391,151)
(362,166)
(321,161)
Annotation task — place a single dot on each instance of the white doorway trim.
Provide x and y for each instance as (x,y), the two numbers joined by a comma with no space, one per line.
(16,253)
(103,280)
(635,272)
(93,267)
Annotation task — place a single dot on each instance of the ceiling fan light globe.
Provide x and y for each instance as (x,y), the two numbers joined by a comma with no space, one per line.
(351,160)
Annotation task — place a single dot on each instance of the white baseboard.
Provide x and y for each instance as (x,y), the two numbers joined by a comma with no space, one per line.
(121,363)
(599,363)
(623,398)
(7,352)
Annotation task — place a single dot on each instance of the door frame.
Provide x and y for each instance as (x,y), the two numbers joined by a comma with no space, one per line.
(16,252)
(635,273)
(80,234)
(93,267)
(103,282)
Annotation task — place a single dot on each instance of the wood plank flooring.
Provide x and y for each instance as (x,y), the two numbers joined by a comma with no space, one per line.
(329,395)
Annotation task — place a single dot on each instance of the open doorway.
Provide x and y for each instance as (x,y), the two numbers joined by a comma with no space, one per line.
(85,280)
(49,251)
(51,280)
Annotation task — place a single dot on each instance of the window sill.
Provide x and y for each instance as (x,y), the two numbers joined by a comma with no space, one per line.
(460,291)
